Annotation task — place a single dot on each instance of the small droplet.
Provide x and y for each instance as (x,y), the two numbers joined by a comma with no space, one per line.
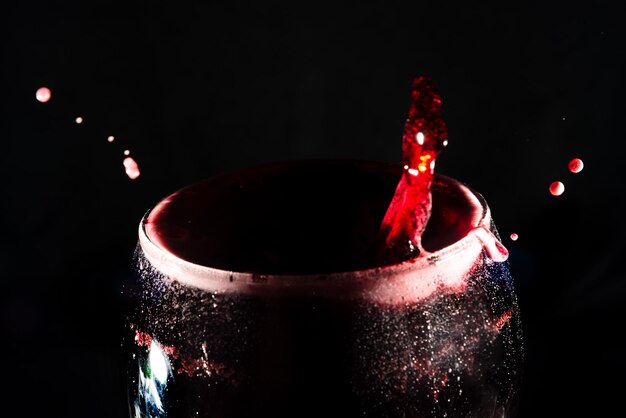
(576,165)
(43,94)
(557,188)
(514,236)
(132,169)
(79,120)
(126,152)
(110,138)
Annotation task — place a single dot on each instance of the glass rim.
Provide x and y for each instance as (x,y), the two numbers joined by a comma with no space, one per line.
(413,279)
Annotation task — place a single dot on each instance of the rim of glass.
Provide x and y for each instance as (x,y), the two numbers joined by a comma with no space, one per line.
(445,267)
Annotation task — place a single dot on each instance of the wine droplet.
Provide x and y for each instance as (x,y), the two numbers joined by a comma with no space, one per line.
(79,120)
(514,236)
(110,138)
(126,152)
(576,165)
(132,169)
(494,248)
(425,135)
(43,94)
(557,188)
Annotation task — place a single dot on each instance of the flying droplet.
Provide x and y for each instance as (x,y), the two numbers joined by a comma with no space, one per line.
(557,188)
(514,236)
(576,165)
(110,138)
(126,152)
(79,120)
(43,94)
(132,169)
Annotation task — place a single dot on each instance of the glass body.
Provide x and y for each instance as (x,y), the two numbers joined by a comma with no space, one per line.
(247,306)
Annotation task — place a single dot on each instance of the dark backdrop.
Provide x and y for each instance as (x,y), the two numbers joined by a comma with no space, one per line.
(196,89)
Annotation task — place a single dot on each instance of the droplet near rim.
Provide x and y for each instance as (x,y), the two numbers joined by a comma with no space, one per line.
(132,169)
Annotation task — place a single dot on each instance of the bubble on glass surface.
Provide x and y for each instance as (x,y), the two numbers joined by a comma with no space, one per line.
(176,316)
(557,188)
(43,94)
(443,346)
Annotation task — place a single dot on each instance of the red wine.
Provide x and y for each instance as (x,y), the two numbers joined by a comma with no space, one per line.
(425,134)
(258,296)
(295,218)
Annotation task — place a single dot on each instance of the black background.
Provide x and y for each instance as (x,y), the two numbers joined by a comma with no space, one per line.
(197,89)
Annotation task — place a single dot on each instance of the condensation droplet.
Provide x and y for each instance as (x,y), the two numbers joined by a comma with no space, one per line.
(557,188)
(132,169)
(576,165)
(43,94)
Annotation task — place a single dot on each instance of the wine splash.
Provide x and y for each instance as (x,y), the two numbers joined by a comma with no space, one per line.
(425,135)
